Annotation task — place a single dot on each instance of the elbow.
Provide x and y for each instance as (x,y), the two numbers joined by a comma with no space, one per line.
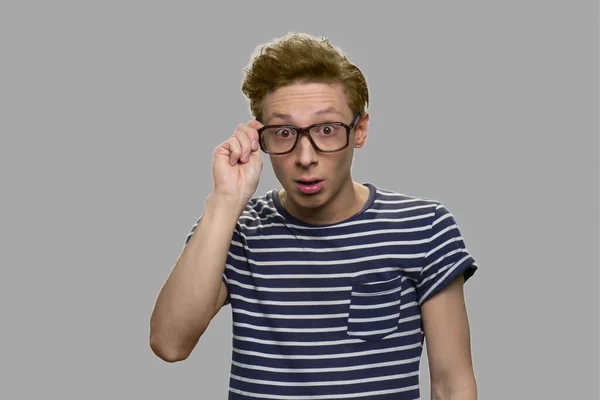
(166,352)
(462,387)
(174,342)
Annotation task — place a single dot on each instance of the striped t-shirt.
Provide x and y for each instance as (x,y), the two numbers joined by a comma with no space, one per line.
(332,311)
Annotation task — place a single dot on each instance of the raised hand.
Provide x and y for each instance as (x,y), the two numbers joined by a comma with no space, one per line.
(237,164)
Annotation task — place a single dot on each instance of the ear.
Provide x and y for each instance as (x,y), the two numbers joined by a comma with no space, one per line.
(361,131)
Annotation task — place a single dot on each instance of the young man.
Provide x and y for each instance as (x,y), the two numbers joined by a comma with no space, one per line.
(333,285)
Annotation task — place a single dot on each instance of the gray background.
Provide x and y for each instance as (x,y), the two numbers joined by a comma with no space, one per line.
(109,114)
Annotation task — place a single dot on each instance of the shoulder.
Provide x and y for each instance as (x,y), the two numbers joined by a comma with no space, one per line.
(408,203)
(259,211)
(425,214)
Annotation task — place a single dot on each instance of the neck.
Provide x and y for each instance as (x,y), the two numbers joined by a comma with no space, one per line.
(349,200)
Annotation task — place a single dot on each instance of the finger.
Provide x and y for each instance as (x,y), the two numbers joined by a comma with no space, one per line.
(246,143)
(252,134)
(254,123)
(235,150)
(248,138)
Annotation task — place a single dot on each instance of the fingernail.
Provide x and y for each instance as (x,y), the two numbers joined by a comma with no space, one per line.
(245,157)
(254,145)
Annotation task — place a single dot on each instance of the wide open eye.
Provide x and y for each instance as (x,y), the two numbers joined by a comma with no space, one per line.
(327,130)
(284,133)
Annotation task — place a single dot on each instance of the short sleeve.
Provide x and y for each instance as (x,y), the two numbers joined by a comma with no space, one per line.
(447,256)
(224,277)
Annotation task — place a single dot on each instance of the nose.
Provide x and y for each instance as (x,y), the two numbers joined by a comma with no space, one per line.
(306,155)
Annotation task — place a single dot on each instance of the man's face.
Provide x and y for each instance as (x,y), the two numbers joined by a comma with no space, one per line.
(302,105)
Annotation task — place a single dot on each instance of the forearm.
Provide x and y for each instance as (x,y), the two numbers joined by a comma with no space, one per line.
(188,300)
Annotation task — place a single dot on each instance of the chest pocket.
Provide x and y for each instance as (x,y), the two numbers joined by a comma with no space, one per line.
(374,309)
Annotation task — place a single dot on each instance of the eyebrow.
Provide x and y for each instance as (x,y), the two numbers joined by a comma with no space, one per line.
(288,117)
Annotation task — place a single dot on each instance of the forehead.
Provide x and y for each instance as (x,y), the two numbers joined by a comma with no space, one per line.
(306,102)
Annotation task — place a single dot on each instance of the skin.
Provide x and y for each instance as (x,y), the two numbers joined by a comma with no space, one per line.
(237,165)
(306,104)
(446,328)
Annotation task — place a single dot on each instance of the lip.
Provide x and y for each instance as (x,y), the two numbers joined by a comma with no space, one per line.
(309,188)
(309,179)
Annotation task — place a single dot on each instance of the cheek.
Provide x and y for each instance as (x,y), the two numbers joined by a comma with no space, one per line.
(281,168)
(343,162)
(336,168)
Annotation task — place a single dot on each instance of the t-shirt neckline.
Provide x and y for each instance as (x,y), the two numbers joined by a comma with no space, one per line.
(290,218)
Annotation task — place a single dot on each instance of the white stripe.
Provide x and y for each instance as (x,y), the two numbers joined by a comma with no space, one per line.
(403,307)
(331,262)
(393,202)
(383,293)
(428,267)
(443,217)
(384,281)
(290,303)
(290,290)
(309,330)
(315,303)
(331,369)
(432,288)
(442,245)
(374,306)
(263,203)
(327,396)
(251,216)
(325,383)
(433,276)
(329,249)
(319,276)
(446,229)
(322,343)
(375,319)
(341,225)
(381,201)
(399,210)
(369,333)
(326,356)
(289,316)
(290,330)
(334,237)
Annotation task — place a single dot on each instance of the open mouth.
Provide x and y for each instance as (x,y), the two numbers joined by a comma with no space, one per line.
(309,183)
(309,186)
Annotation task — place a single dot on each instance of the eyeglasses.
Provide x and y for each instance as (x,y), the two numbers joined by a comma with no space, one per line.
(327,137)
